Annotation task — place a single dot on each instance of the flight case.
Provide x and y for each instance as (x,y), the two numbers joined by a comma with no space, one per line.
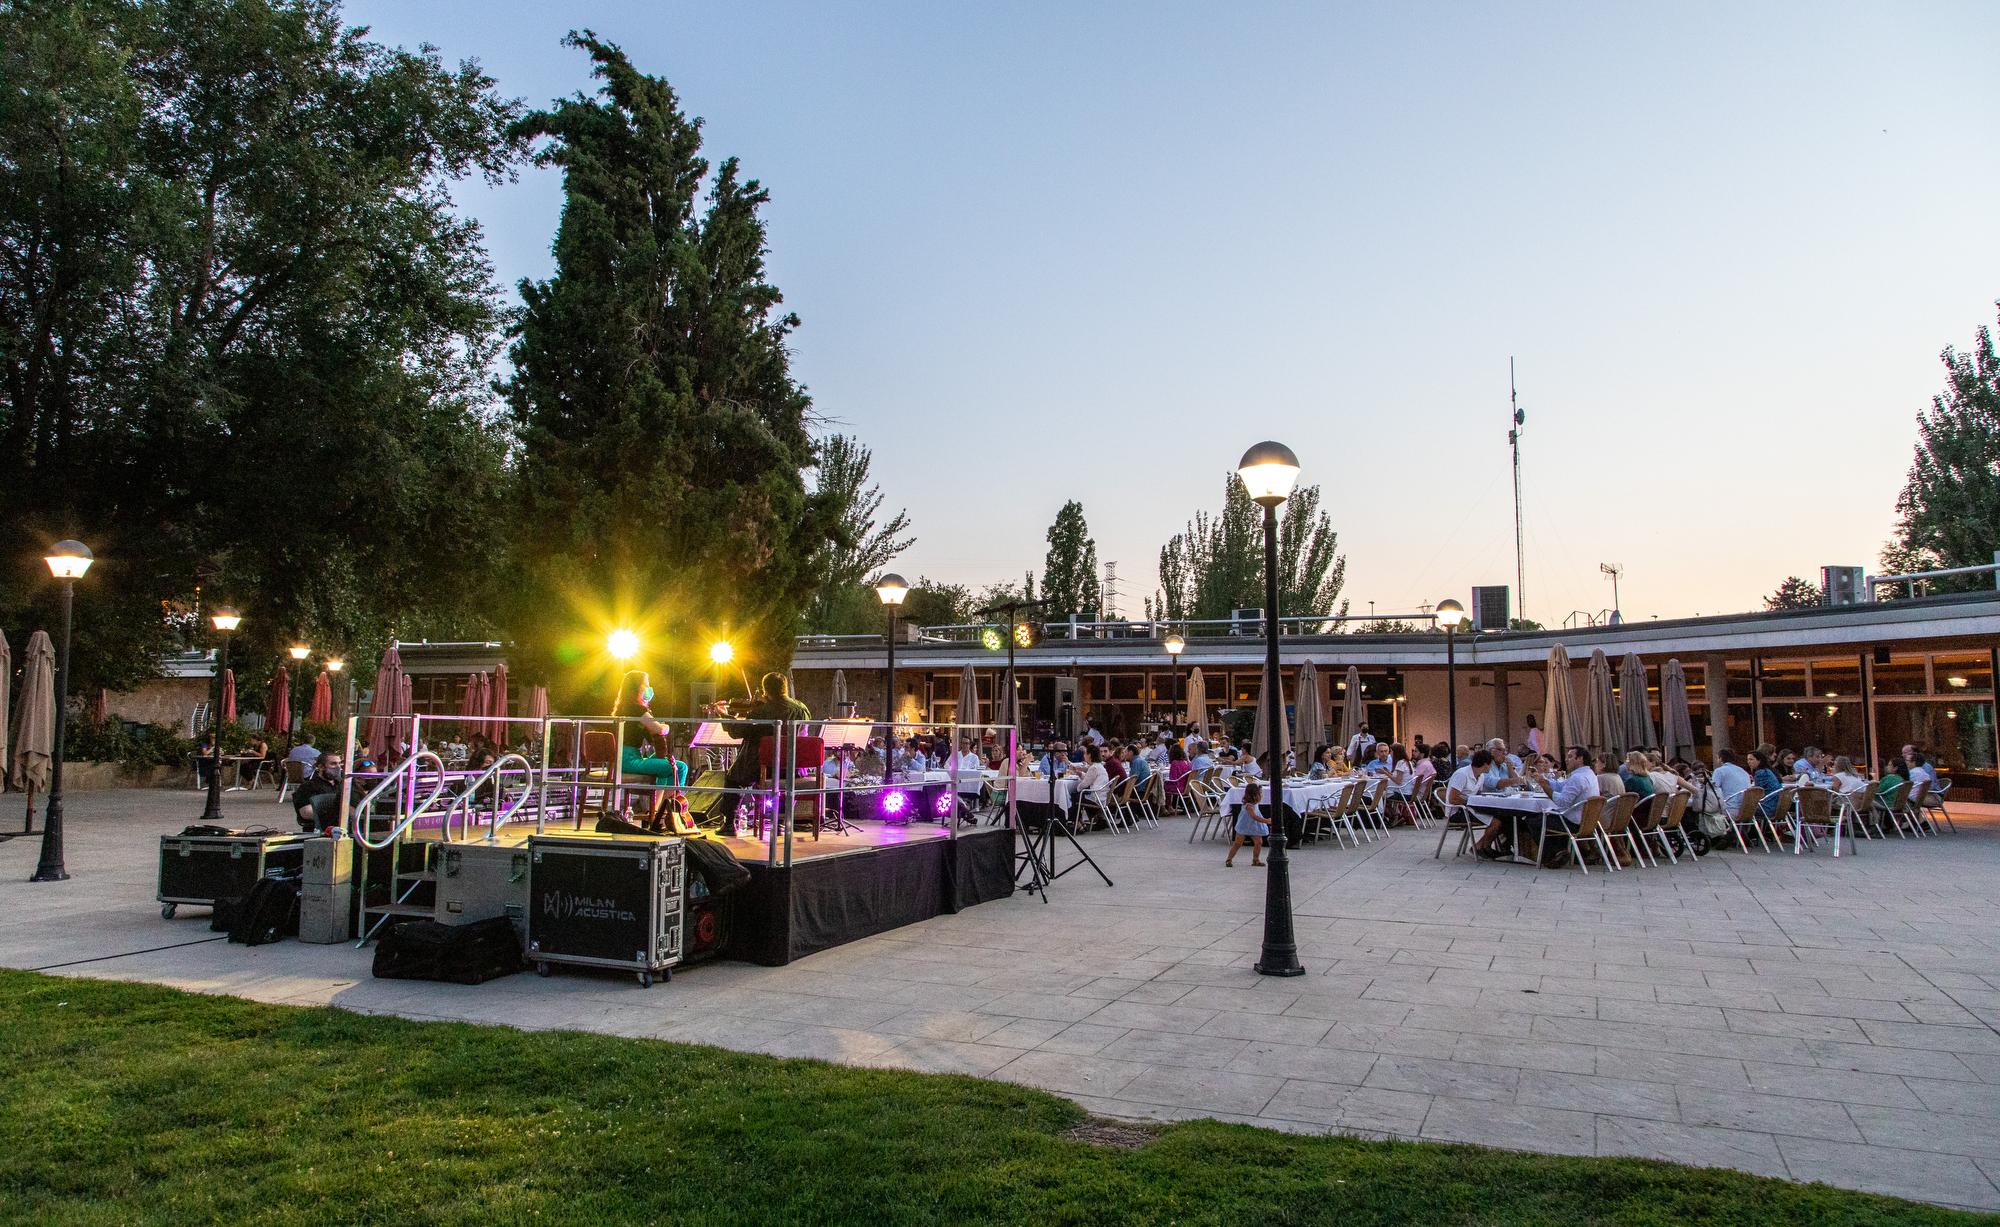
(606,902)
(202,868)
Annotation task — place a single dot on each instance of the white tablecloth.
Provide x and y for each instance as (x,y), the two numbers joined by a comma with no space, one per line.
(1298,794)
(1526,803)
(1036,792)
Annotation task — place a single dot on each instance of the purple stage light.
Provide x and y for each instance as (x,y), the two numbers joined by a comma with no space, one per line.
(942,806)
(895,803)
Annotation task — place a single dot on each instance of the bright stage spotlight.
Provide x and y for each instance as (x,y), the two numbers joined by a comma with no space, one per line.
(622,644)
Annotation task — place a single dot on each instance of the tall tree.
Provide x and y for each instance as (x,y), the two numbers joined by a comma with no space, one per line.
(1949,511)
(1216,564)
(1069,573)
(664,440)
(1794,593)
(861,546)
(243,334)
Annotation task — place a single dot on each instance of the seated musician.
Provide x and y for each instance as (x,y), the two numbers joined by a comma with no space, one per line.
(777,703)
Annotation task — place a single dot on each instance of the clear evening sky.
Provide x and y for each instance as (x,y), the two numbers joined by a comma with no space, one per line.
(1046,251)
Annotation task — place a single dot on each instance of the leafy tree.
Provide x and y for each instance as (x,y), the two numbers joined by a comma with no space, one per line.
(1389,626)
(1069,573)
(664,440)
(1217,564)
(243,334)
(1794,593)
(1949,511)
(861,547)
(930,603)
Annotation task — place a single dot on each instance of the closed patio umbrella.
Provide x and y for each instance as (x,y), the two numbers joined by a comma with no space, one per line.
(322,704)
(1350,707)
(1600,715)
(1309,723)
(496,707)
(1676,729)
(383,702)
(1197,702)
(472,708)
(1560,718)
(839,690)
(538,703)
(35,719)
(1635,709)
(968,696)
(1261,741)
(278,708)
(6,705)
(229,696)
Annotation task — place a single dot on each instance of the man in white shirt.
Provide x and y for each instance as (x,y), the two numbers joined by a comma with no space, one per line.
(1466,780)
(1578,786)
(1361,746)
(1156,754)
(1091,735)
(1921,771)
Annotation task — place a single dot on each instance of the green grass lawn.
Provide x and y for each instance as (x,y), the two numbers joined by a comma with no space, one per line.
(133,1104)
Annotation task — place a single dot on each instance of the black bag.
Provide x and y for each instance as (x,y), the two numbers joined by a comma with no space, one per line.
(270,911)
(712,863)
(458,954)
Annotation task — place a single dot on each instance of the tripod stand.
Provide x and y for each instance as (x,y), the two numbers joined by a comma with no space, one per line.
(1040,853)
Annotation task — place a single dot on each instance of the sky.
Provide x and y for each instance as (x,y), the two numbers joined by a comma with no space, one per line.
(1094,251)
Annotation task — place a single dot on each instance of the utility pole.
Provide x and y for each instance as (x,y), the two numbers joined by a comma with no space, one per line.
(1515,421)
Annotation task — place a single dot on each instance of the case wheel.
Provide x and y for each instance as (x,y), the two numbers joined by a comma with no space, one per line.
(645,979)
(167,910)
(542,969)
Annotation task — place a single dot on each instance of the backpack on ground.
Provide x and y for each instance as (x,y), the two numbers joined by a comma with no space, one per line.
(269,912)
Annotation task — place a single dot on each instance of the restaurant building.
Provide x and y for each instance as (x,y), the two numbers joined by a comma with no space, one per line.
(1862,679)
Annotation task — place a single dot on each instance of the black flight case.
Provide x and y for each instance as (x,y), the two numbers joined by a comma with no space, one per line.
(202,868)
(606,901)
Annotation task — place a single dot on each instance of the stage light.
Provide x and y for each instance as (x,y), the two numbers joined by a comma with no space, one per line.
(720,652)
(894,803)
(1024,635)
(942,806)
(989,638)
(623,645)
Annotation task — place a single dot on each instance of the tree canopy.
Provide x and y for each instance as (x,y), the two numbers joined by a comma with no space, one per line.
(1948,514)
(1794,593)
(664,440)
(243,334)
(1216,564)
(1069,572)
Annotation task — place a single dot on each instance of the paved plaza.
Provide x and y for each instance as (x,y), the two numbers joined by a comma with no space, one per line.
(1803,1017)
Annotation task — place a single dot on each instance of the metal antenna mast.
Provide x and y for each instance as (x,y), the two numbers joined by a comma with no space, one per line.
(1514,423)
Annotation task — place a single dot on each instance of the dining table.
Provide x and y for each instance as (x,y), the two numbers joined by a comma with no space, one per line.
(1513,805)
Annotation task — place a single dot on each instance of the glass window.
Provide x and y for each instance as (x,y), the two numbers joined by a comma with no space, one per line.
(1836,727)
(1962,672)
(1784,679)
(1836,679)
(1247,686)
(1125,686)
(1739,680)
(1959,735)
(1904,674)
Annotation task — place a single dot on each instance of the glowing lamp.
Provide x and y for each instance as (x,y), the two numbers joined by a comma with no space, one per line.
(1175,645)
(68,559)
(892,588)
(720,652)
(622,644)
(989,638)
(300,651)
(335,665)
(1956,683)
(1450,614)
(1268,471)
(1024,635)
(225,618)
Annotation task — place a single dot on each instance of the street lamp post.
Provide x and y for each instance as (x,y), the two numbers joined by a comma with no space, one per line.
(334,665)
(67,560)
(300,653)
(892,588)
(225,619)
(1175,645)
(1269,471)
(1451,614)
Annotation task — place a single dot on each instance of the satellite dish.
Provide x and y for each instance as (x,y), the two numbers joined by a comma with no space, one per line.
(1520,417)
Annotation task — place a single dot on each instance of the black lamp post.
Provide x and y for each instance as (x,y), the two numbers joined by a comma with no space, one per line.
(1450,614)
(892,588)
(1269,471)
(225,619)
(1175,645)
(300,654)
(67,560)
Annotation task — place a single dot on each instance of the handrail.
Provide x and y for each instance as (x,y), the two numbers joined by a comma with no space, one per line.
(360,829)
(463,802)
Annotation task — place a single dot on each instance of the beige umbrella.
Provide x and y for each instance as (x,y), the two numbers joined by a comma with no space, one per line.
(839,698)
(1350,707)
(1635,709)
(1600,714)
(968,696)
(6,681)
(1309,722)
(1676,729)
(35,719)
(1261,740)
(1560,718)
(1010,701)
(1197,702)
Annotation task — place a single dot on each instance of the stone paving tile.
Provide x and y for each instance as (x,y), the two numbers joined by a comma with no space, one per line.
(1071,1073)
(1208,1089)
(1292,1060)
(945,1057)
(1172,1048)
(1590,1093)
(1081,1038)
(1943,1132)
(1512,1126)
(1946,1178)
(1428,1076)
(1767,1113)
(1350,1109)
(1846,1086)
(1697,1145)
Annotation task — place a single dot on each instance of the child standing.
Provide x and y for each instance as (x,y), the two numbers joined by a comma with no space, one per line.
(1250,826)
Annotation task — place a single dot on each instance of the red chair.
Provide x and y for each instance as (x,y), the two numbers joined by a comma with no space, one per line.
(810,758)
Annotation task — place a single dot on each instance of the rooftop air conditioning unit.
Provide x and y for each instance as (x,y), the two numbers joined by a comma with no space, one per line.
(1841,586)
(1490,607)
(1246,621)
